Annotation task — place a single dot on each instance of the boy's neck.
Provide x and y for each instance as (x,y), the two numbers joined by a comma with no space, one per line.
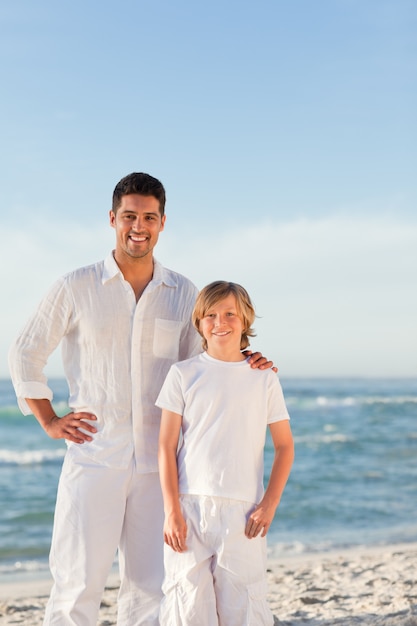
(226,355)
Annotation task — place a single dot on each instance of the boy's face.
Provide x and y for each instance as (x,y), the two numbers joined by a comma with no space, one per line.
(222,327)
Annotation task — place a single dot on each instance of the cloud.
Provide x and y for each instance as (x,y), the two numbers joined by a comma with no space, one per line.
(334,296)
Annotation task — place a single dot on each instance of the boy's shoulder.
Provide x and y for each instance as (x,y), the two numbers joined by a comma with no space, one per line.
(188,363)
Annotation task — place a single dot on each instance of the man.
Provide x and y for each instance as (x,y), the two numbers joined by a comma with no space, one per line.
(122,322)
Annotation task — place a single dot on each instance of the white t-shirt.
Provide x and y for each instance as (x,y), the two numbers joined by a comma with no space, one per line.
(225,408)
(116,355)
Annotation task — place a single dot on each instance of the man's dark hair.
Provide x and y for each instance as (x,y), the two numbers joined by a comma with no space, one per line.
(140,183)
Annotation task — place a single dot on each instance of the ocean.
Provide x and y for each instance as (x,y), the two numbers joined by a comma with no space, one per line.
(353,483)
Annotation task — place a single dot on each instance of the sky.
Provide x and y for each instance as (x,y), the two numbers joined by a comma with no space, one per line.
(284,133)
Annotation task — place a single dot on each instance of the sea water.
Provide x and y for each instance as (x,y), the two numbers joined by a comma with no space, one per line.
(354,479)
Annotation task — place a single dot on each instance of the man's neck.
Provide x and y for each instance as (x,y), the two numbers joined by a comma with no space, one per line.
(137,272)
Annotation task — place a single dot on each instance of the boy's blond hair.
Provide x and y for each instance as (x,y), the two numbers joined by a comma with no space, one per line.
(218,290)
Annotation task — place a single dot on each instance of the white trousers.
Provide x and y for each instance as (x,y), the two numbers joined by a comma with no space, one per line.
(221,578)
(98,510)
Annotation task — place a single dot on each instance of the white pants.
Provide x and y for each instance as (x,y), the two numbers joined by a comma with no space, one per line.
(98,510)
(221,578)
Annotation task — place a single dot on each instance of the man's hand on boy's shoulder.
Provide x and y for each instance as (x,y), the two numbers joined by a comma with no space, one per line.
(258,361)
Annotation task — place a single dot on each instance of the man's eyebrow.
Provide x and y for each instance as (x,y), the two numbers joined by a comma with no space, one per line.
(125,211)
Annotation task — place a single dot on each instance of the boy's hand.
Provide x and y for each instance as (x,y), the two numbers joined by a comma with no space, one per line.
(175,532)
(259,521)
(256,361)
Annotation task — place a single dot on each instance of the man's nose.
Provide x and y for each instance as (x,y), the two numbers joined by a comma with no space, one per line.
(137,224)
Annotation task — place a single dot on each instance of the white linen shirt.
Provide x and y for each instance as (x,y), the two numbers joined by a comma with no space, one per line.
(116,353)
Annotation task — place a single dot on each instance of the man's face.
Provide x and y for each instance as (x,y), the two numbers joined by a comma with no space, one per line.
(137,223)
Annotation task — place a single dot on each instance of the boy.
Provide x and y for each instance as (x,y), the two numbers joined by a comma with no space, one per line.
(216,514)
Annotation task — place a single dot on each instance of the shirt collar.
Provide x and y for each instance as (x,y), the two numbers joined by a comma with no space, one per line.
(110,268)
(160,274)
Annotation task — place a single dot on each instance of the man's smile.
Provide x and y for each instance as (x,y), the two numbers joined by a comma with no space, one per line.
(138,238)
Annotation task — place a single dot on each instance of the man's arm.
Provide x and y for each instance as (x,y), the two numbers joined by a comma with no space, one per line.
(175,528)
(261,517)
(258,361)
(30,351)
(67,427)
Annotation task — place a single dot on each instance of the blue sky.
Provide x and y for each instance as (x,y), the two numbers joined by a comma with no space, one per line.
(284,133)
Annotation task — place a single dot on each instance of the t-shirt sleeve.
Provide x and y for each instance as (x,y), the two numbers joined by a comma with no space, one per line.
(171,397)
(277,409)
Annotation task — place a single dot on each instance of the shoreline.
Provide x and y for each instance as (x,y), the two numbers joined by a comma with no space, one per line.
(367,585)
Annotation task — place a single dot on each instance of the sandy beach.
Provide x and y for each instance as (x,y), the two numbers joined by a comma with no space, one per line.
(372,586)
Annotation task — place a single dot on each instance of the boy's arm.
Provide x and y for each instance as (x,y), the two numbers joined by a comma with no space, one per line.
(261,517)
(175,528)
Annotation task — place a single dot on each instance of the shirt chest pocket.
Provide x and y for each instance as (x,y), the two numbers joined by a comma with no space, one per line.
(166,339)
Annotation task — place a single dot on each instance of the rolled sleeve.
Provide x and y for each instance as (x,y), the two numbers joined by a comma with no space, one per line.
(30,352)
(34,390)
